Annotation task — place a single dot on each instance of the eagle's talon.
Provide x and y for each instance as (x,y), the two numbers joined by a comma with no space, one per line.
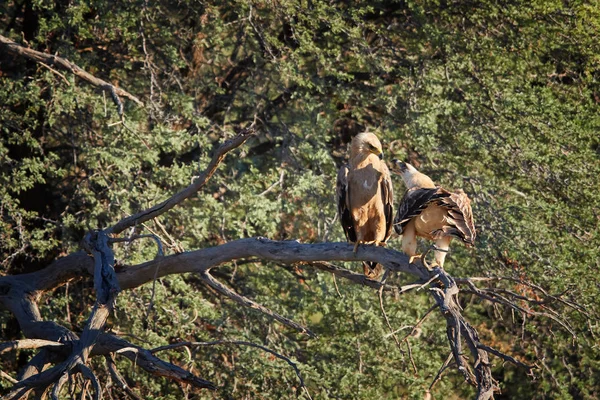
(412,259)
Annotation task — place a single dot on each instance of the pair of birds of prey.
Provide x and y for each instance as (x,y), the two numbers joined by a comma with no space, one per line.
(365,205)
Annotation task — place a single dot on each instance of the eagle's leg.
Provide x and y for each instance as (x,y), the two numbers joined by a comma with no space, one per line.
(356,246)
(409,242)
(441,247)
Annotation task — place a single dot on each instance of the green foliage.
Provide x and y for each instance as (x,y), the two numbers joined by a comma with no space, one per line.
(499,98)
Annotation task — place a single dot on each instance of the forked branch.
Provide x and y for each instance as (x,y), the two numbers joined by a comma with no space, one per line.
(442,289)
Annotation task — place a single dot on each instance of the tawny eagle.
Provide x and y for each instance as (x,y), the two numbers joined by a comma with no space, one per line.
(431,212)
(365,196)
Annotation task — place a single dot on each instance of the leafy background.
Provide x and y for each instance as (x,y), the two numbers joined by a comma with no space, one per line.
(499,98)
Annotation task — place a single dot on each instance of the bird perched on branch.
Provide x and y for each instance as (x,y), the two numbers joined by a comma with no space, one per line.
(431,212)
(365,197)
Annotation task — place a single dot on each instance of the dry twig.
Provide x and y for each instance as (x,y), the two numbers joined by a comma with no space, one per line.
(238,343)
(51,60)
(198,184)
(207,278)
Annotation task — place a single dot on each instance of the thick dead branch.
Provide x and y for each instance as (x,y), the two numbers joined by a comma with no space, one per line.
(107,344)
(443,289)
(35,365)
(106,284)
(27,344)
(286,252)
(51,60)
(144,359)
(91,377)
(458,329)
(58,386)
(107,287)
(16,295)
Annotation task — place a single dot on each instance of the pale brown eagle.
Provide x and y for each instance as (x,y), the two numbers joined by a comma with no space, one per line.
(431,212)
(365,196)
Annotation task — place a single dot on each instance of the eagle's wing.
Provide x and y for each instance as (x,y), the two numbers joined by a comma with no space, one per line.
(460,217)
(387,196)
(413,202)
(343,195)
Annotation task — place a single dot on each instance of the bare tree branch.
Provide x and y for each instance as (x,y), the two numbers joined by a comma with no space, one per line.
(89,374)
(505,357)
(548,298)
(360,279)
(144,359)
(419,322)
(238,343)
(26,344)
(494,296)
(51,60)
(207,278)
(118,378)
(58,386)
(438,376)
(198,184)
(442,286)
(382,308)
(8,377)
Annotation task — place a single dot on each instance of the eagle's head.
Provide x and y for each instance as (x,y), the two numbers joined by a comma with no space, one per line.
(366,143)
(411,177)
(402,168)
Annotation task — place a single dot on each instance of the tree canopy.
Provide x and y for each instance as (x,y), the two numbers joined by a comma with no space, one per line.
(501,99)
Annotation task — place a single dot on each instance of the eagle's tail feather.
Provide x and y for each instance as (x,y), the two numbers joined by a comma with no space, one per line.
(371,269)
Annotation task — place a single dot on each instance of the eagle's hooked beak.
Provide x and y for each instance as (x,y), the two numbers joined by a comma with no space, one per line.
(380,155)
